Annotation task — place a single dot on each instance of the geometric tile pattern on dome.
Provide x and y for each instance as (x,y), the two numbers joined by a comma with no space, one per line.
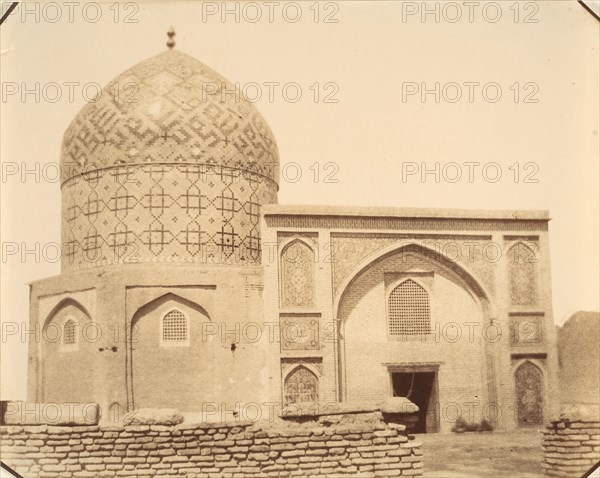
(170,108)
(163,213)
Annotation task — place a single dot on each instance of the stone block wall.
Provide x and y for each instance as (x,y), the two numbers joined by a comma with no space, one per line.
(571,448)
(210,450)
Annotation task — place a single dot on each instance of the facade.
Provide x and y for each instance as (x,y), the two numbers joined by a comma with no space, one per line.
(184,283)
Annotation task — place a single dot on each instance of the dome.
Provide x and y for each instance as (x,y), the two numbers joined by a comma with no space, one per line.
(170,108)
(169,163)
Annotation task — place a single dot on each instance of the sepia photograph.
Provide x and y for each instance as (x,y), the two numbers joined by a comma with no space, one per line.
(265,239)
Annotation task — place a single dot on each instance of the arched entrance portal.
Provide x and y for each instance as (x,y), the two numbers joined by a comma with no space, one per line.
(411,323)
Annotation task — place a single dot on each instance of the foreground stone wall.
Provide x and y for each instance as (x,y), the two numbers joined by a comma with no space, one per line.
(210,450)
(571,447)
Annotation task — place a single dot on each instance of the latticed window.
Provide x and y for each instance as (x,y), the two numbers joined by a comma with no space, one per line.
(175,327)
(301,386)
(69,332)
(408,310)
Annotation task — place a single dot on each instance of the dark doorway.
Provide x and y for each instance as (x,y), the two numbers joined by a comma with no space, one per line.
(421,389)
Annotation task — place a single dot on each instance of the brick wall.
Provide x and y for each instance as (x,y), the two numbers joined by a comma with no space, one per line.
(210,450)
(571,448)
(106,369)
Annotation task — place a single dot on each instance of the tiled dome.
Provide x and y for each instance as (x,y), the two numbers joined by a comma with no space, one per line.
(170,108)
(168,164)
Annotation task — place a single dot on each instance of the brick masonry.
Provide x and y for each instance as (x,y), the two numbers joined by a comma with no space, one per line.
(571,448)
(216,450)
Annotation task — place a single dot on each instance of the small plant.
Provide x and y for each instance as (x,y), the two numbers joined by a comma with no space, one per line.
(462,426)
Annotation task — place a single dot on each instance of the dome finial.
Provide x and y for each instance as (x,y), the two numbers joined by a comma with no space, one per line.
(171,40)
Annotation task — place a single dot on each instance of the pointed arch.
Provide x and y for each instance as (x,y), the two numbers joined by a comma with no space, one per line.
(66,361)
(529,392)
(165,344)
(531,361)
(63,304)
(300,385)
(483,309)
(304,240)
(297,276)
(460,271)
(158,302)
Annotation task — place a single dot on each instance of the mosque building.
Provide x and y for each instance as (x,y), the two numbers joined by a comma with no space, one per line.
(183,282)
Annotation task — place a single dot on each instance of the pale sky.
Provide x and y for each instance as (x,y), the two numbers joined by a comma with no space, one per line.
(375,52)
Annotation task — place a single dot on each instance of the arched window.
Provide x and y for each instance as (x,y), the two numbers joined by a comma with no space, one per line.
(70,332)
(175,328)
(301,386)
(529,390)
(521,270)
(297,275)
(408,310)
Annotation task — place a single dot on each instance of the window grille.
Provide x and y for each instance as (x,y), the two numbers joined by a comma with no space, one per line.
(408,310)
(69,332)
(175,327)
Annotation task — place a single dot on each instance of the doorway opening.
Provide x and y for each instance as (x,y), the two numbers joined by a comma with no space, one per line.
(421,389)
